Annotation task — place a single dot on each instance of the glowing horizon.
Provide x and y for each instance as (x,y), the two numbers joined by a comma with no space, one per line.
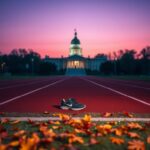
(48,26)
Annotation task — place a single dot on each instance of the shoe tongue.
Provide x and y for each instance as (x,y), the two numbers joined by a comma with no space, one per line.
(72,100)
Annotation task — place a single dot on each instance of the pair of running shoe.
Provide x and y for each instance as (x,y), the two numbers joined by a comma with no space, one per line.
(72,104)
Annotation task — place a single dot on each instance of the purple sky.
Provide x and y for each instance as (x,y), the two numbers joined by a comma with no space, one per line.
(48,25)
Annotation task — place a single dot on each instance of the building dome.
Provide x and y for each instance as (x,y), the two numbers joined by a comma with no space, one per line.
(75,40)
(75,48)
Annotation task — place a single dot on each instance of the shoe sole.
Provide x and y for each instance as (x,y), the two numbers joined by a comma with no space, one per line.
(64,107)
(76,109)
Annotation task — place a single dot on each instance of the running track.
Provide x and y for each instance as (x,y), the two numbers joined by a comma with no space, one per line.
(99,94)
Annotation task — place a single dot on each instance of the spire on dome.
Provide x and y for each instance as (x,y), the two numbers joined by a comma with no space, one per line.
(75,32)
(75,40)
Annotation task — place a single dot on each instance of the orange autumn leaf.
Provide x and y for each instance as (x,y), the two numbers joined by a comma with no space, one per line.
(117,132)
(134,125)
(117,141)
(15,122)
(104,129)
(105,126)
(35,137)
(19,133)
(55,127)
(87,118)
(29,143)
(75,122)
(3,147)
(148,139)
(43,128)
(56,122)
(130,115)
(77,139)
(107,114)
(136,145)
(14,143)
(64,117)
(50,133)
(79,131)
(133,135)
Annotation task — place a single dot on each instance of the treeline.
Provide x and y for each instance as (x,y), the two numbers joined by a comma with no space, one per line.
(127,62)
(22,61)
(123,62)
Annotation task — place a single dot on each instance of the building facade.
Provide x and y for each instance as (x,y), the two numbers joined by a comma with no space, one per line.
(75,60)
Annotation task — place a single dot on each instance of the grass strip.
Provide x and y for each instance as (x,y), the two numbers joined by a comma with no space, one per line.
(74,134)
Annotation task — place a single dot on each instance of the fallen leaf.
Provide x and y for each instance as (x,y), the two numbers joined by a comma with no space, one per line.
(117,141)
(105,126)
(136,145)
(107,114)
(19,133)
(77,139)
(148,139)
(14,143)
(64,117)
(79,131)
(15,122)
(55,127)
(3,147)
(133,135)
(56,122)
(134,125)
(29,143)
(117,132)
(104,129)
(87,118)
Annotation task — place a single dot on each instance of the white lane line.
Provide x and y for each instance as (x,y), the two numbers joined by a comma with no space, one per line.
(22,84)
(30,92)
(125,84)
(118,92)
(93,119)
(140,87)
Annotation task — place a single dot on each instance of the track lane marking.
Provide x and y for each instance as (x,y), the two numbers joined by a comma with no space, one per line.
(30,92)
(140,87)
(22,84)
(118,92)
(126,84)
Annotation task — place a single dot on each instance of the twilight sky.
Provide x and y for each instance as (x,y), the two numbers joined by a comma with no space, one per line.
(47,26)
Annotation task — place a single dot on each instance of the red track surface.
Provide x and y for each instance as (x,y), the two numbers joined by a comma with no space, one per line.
(96,98)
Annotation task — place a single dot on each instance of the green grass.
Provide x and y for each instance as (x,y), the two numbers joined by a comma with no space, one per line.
(68,126)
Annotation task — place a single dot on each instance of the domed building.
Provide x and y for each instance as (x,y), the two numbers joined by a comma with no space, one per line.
(75,48)
(75,63)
